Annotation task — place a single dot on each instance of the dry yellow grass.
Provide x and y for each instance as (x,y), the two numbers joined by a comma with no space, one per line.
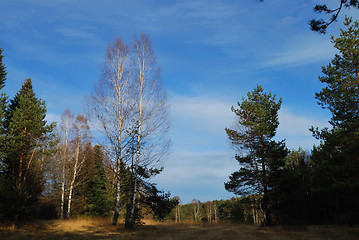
(99,228)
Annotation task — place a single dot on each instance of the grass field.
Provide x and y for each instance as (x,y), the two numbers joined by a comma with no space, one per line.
(81,229)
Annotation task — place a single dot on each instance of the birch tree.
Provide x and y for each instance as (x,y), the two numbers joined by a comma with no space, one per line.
(151,111)
(64,135)
(109,107)
(81,130)
(73,134)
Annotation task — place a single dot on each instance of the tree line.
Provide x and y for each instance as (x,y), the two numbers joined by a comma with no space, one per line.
(237,210)
(295,187)
(55,170)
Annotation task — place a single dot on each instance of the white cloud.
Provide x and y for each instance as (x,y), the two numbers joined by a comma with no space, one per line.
(188,173)
(50,117)
(300,52)
(292,124)
(201,114)
(295,129)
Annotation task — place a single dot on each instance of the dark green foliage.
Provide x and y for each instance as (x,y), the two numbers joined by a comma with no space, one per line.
(98,197)
(26,135)
(341,76)
(160,203)
(232,210)
(3,102)
(335,162)
(257,124)
(237,209)
(291,195)
(2,70)
(260,157)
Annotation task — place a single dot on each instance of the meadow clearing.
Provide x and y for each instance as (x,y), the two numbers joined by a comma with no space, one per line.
(92,228)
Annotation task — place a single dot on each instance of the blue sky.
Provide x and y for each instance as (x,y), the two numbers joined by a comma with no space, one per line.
(211,54)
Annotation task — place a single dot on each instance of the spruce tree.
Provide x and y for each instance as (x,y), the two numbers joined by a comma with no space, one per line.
(98,196)
(26,132)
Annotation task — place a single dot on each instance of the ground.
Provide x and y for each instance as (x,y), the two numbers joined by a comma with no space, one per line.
(83,229)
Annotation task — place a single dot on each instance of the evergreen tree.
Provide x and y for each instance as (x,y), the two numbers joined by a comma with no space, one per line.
(291,195)
(258,154)
(336,160)
(3,100)
(26,132)
(2,70)
(98,196)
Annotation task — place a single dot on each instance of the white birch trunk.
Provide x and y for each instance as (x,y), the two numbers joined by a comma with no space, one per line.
(62,192)
(76,166)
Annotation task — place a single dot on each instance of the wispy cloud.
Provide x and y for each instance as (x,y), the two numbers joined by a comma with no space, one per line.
(77,33)
(198,173)
(300,52)
(292,124)
(295,129)
(199,122)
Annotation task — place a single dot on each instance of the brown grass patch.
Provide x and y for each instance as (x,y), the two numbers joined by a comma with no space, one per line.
(101,228)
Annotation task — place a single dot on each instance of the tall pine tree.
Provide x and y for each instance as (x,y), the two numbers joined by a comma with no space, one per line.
(336,160)
(26,132)
(2,70)
(3,100)
(259,155)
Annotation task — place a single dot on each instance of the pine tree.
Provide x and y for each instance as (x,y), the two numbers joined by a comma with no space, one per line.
(3,99)
(336,160)
(259,155)
(2,70)
(26,132)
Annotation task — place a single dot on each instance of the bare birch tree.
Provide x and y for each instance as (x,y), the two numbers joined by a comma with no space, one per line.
(109,109)
(81,130)
(64,134)
(151,111)
(73,136)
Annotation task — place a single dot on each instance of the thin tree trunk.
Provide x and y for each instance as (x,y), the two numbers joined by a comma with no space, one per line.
(141,81)
(254,215)
(76,168)
(129,199)
(117,83)
(62,192)
(176,215)
(118,194)
(72,187)
(215,213)
(69,202)
(133,197)
(22,159)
